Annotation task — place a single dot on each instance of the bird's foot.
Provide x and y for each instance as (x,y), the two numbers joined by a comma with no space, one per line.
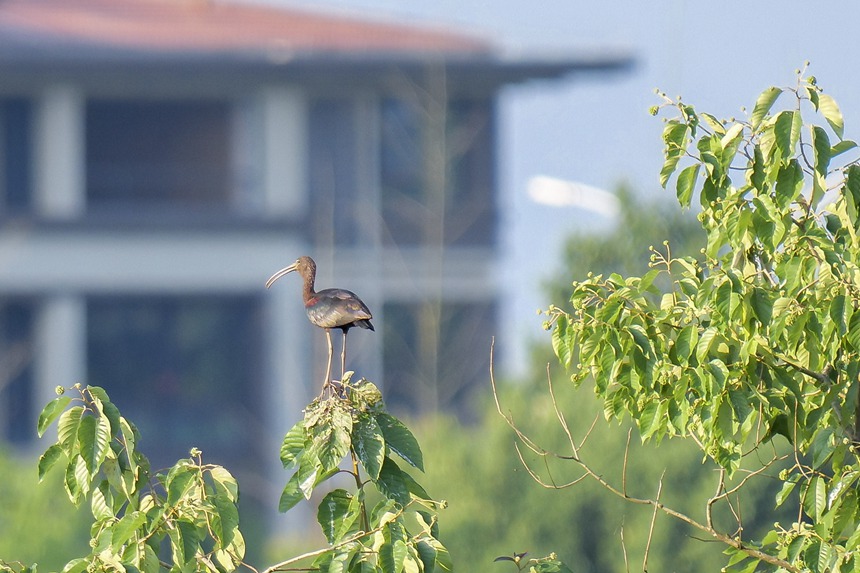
(333,388)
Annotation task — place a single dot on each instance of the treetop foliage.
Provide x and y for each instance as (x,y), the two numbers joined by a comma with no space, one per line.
(186,518)
(759,338)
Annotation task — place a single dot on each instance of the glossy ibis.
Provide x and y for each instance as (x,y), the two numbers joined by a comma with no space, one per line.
(328,308)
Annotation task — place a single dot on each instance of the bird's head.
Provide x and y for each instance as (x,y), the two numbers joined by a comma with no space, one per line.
(304,265)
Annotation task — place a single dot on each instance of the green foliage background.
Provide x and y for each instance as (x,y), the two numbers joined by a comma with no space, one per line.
(37,522)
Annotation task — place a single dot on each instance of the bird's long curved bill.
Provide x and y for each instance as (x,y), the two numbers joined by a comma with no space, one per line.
(279,274)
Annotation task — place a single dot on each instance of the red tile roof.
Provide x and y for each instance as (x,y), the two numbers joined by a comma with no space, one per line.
(219,26)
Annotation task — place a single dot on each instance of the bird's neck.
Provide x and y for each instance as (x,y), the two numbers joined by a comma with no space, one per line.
(308,291)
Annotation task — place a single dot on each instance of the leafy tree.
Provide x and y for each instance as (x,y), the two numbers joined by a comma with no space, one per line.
(186,518)
(752,350)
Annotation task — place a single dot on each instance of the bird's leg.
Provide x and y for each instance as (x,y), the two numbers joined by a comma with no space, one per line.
(343,357)
(327,381)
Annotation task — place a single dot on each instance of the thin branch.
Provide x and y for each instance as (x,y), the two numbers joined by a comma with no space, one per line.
(657,504)
(653,521)
(624,548)
(624,465)
(534,475)
(559,414)
(709,506)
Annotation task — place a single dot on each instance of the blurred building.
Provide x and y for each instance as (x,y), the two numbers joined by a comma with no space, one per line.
(160,159)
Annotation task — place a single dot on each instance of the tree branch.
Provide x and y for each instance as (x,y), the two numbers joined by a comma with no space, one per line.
(655,503)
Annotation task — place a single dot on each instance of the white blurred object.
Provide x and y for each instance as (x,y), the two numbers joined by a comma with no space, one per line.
(560,193)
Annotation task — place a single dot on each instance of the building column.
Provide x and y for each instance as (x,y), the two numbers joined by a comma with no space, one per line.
(59,152)
(284,134)
(60,339)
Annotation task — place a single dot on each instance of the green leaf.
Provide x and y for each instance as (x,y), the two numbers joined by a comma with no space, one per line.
(435,556)
(400,440)
(126,528)
(817,498)
(336,514)
(226,523)
(762,305)
(730,143)
(822,446)
(331,436)
(562,344)
(787,132)
(686,183)
(675,140)
(640,337)
(842,146)
(392,483)
(225,483)
(828,107)
(789,182)
(50,413)
(392,553)
(427,553)
(821,144)
(365,395)
(686,342)
(76,565)
(784,492)
(302,483)
(67,429)
(48,459)
(369,444)
(740,404)
(93,437)
(184,540)
(293,445)
(714,123)
(649,419)
(292,494)
(77,479)
(705,341)
(763,104)
(101,502)
(180,479)
(840,313)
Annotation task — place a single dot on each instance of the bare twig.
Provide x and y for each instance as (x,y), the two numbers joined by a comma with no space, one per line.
(653,521)
(624,548)
(560,415)
(624,465)
(709,506)
(655,503)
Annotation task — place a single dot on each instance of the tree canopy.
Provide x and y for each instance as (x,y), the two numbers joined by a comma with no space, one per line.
(752,349)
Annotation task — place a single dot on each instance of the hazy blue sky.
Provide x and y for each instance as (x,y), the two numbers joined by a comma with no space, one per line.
(718,55)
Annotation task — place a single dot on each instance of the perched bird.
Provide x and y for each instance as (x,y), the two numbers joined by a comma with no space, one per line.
(328,308)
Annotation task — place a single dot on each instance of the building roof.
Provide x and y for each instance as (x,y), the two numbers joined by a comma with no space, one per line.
(220,37)
(217,26)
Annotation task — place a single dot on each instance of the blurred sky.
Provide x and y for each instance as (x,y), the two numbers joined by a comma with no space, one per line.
(718,55)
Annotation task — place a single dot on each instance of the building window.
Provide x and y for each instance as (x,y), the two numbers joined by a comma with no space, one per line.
(15,158)
(158,153)
(404,204)
(434,356)
(333,173)
(17,419)
(437,189)
(470,215)
(185,370)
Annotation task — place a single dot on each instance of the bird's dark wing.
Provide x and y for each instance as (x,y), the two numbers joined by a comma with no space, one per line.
(334,307)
